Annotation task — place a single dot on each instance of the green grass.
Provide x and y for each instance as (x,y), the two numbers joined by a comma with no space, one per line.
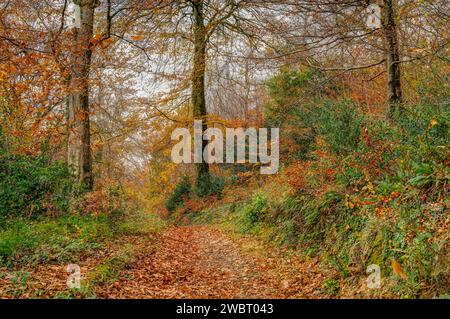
(63,239)
(141,224)
(25,243)
(107,271)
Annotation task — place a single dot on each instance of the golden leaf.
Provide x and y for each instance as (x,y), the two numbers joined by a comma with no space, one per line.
(137,38)
(398,269)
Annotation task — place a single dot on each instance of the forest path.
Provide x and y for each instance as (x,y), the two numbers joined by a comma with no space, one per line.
(206,262)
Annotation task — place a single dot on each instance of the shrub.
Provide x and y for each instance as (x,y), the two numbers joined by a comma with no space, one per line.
(292,107)
(32,185)
(181,192)
(252,212)
(209,185)
(339,124)
(110,201)
(289,90)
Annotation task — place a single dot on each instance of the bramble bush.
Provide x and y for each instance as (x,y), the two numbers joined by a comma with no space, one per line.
(363,190)
(32,185)
(179,195)
(209,185)
(184,193)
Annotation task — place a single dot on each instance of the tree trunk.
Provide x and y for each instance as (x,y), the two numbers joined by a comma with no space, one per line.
(198,87)
(393,57)
(79,157)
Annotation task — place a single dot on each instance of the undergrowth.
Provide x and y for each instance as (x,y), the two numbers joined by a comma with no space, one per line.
(363,192)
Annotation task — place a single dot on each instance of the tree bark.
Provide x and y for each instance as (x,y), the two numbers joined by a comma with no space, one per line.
(393,57)
(79,157)
(198,85)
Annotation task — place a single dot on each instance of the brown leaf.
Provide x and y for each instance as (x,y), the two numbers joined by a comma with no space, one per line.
(398,269)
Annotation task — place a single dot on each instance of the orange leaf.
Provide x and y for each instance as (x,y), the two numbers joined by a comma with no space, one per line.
(137,37)
(398,269)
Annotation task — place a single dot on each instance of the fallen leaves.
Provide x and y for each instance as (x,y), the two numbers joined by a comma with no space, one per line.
(190,262)
(398,269)
(204,262)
